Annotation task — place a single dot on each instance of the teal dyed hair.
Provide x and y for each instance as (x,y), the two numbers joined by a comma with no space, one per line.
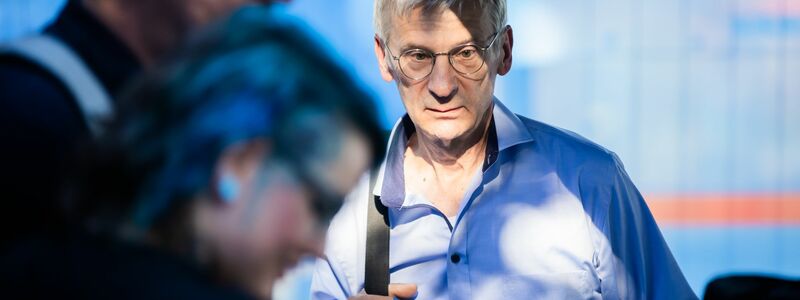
(259,74)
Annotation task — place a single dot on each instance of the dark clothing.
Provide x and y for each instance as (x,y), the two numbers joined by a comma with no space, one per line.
(94,268)
(41,123)
(732,287)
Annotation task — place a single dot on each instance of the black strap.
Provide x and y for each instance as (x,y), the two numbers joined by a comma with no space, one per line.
(376,263)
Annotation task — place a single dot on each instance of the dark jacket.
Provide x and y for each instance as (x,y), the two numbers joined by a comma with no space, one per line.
(87,267)
(41,125)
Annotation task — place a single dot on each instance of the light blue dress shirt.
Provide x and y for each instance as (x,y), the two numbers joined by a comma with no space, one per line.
(552,216)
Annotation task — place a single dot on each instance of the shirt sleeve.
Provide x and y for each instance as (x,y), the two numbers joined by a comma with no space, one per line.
(634,261)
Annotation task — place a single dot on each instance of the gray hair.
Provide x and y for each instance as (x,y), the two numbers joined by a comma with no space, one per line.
(494,11)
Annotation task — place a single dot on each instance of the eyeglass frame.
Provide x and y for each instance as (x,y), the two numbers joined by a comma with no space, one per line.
(449,55)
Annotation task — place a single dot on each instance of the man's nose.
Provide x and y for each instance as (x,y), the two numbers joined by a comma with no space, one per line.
(442,83)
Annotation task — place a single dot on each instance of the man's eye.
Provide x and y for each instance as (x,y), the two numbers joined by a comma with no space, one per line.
(420,56)
(466,53)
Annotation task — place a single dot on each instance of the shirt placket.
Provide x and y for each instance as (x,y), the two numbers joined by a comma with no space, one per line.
(458,278)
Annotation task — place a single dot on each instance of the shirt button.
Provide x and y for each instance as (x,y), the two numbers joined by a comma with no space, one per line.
(455,258)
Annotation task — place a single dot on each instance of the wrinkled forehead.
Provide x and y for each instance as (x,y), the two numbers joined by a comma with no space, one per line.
(432,18)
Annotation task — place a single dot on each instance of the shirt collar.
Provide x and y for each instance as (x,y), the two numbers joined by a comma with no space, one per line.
(510,129)
(505,131)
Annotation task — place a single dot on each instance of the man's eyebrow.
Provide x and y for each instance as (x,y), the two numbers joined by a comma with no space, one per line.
(411,46)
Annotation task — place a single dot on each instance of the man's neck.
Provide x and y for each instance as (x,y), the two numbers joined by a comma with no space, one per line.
(441,171)
(146,32)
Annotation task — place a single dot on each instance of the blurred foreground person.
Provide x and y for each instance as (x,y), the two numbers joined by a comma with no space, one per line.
(57,87)
(220,171)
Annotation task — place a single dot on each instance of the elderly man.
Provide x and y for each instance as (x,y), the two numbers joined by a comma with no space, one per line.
(482,203)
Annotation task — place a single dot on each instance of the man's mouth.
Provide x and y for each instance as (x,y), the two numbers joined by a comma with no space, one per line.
(443,110)
(445,113)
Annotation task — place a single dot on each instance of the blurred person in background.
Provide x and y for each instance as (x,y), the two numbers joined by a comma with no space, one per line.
(220,170)
(56,88)
(476,202)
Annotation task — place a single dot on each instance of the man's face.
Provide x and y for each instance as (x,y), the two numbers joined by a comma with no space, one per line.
(446,105)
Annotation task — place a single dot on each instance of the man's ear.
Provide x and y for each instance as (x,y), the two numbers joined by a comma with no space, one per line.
(380,54)
(236,169)
(506,59)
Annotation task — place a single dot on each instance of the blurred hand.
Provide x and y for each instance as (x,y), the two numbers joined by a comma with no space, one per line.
(396,290)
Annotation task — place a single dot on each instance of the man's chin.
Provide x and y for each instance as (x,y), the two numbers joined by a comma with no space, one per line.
(451,134)
(445,138)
